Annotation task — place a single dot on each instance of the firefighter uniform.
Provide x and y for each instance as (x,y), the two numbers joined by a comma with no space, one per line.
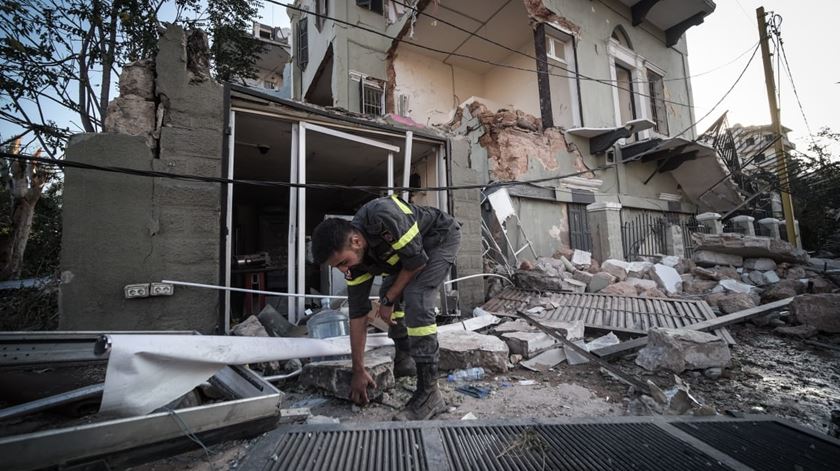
(402,235)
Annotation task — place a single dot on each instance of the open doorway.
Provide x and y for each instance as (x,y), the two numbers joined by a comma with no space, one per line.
(271,225)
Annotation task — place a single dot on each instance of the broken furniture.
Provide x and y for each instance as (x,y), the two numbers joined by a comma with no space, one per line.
(684,443)
(61,369)
(627,314)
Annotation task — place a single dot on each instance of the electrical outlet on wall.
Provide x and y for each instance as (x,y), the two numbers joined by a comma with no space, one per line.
(140,290)
(162,289)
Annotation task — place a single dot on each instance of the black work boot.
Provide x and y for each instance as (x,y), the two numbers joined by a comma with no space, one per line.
(403,363)
(427,400)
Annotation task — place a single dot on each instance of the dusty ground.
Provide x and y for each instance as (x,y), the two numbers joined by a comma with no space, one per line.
(770,375)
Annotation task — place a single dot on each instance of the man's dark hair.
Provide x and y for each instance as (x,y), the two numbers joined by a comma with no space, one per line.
(330,236)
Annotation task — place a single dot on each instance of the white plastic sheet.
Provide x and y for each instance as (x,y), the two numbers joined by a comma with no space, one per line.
(146,372)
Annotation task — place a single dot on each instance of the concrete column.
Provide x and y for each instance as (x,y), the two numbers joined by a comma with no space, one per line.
(605,225)
(711,221)
(674,244)
(744,225)
(769,227)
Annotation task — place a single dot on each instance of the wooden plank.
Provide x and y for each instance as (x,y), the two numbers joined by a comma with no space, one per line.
(710,324)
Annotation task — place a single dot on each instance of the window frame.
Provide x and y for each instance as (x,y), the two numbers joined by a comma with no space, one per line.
(365,83)
(370,4)
(302,43)
(638,66)
(650,69)
(554,36)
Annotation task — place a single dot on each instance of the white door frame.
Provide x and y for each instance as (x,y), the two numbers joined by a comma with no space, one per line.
(300,238)
(229,219)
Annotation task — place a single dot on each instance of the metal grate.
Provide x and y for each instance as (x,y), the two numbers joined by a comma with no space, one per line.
(764,445)
(570,446)
(628,314)
(351,450)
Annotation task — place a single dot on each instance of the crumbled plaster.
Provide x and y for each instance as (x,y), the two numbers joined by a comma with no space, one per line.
(391,55)
(513,138)
(539,13)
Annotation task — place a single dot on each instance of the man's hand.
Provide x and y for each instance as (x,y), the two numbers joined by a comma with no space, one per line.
(358,387)
(385,312)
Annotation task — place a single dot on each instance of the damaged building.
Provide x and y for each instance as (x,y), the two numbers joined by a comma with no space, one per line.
(449,94)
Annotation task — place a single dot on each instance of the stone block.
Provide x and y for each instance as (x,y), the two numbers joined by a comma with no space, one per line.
(678,350)
(550,266)
(821,311)
(461,349)
(798,331)
(250,327)
(670,260)
(527,344)
(667,278)
(622,288)
(616,268)
(545,360)
(581,258)
(782,290)
(733,286)
(750,247)
(639,269)
(574,286)
(698,286)
(132,115)
(569,266)
(760,264)
(180,141)
(735,302)
(707,258)
(138,78)
(583,276)
(641,284)
(334,376)
(770,277)
(652,293)
(600,281)
(755,277)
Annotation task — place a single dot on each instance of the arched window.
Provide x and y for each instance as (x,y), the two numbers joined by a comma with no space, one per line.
(620,35)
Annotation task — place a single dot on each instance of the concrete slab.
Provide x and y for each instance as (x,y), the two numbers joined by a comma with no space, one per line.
(461,349)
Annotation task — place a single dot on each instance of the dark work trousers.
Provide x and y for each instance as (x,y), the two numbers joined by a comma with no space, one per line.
(414,313)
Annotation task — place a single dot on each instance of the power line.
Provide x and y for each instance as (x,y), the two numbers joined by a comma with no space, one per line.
(484,61)
(283,184)
(795,92)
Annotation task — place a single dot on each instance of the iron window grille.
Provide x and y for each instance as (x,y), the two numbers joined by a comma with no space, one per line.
(373,98)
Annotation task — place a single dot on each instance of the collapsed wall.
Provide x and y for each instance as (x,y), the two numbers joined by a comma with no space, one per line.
(124,229)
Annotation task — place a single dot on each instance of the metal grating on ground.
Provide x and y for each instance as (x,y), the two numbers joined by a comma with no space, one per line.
(674,443)
(756,445)
(385,450)
(570,446)
(628,314)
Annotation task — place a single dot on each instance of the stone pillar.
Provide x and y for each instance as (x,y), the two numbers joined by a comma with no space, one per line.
(605,225)
(798,234)
(744,225)
(769,227)
(711,221)
(674,244)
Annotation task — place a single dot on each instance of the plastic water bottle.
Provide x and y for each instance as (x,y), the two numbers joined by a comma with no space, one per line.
(470,374)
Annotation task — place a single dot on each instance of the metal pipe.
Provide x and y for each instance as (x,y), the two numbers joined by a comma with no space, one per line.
(274,378)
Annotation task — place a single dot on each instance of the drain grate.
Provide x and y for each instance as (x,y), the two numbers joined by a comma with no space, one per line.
(764,445)
(351,450)
(570,446)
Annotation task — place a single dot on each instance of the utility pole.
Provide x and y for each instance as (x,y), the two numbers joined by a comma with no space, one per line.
(781,172)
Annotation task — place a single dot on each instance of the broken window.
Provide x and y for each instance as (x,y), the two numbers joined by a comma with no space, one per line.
(373,97)
(372,5)
(658,112)
(321,8)
(751,141)
(302,43)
